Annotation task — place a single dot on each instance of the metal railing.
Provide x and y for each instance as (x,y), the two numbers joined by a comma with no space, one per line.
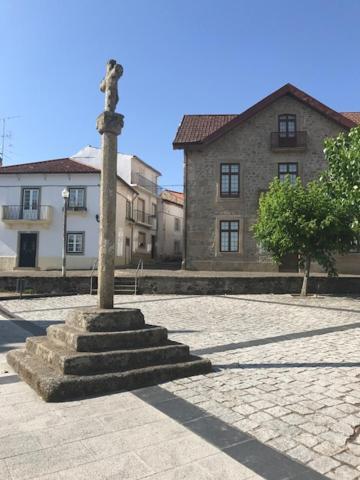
(138,179)
(18,212)
(139,273)
(144,217)
(283,140)
(94,267)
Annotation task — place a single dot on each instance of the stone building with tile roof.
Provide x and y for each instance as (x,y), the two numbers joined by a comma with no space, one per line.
(230,159)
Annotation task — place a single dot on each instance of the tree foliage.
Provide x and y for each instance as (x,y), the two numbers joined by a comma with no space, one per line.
(342,177)
(305,220)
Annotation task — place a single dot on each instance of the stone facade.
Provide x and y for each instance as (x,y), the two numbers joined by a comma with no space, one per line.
(248,144)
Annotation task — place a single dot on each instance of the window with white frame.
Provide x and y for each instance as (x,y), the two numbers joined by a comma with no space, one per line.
(75,243)
(229,236)
(76,197)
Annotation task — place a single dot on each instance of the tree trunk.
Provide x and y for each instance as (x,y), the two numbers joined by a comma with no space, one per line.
(306,276)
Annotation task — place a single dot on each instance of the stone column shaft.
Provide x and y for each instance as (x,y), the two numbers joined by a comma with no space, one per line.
(109,125)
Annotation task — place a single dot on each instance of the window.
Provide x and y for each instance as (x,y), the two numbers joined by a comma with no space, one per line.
(75,242)
(177,250)
(128,209)
(287,126)
(177,224)
(285,169)
(142,240)
(76,198)
(141,210)
(229,236)
(229,180)
(154,209)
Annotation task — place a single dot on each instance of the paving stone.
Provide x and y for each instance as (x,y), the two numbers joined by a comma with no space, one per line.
(325,397)
(302,454)
(125,467)
(349,458)
(50,460)
(4,471)
(323,464)
(294,419)
(12,445)
(327,448)
(282,443)
(344,473)
(223,467)
(69,432)
(134,438)
(175,453)
(307,439)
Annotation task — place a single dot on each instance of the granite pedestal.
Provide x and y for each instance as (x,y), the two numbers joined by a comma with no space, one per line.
(102,351)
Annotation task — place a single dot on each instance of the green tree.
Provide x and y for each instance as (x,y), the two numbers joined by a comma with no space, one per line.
(304,220)
(342,177)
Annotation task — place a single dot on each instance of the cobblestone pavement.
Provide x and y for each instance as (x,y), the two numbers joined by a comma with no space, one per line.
(287,369)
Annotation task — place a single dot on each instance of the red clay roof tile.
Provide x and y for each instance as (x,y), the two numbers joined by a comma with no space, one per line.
(60,165)
(201,129)
(354,116)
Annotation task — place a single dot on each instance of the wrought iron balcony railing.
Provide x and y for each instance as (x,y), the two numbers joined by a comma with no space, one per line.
(13,213)
(280,140)
(138,179)
(142,217)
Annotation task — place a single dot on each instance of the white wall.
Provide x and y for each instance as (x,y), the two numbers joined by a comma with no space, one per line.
(50,236)
(167,233)
(92,156)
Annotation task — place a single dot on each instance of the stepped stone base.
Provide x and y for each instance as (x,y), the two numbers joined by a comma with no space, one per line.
(102,351)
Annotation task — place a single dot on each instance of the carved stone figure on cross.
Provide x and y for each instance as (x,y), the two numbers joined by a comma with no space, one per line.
(109,85)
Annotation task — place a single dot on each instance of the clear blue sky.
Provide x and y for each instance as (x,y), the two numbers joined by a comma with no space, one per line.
(179,56)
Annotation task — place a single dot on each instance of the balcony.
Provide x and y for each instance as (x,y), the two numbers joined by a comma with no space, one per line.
(144,218)
(281,142)
(141,181)
(18,215)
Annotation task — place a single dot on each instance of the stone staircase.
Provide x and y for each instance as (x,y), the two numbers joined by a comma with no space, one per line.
(97,352)
(122,286)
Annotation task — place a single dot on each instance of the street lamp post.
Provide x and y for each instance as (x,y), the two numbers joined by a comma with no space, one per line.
(65,195)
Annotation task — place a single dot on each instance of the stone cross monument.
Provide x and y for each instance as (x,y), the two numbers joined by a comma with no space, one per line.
(109,125)
(105,349)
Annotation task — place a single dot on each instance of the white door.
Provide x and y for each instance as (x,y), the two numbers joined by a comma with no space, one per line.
(30,206)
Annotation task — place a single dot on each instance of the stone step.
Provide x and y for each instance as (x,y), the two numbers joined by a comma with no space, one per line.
(95,320)
(54,387)
(79,341)
(119,291)
(68,362)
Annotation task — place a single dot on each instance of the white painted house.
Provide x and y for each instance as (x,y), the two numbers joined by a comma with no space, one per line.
(32,215)
(171,213)
(144,210)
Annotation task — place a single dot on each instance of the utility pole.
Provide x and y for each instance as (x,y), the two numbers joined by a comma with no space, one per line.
(4,135)
(65,195)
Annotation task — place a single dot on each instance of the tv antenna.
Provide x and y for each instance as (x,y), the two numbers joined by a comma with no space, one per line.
(5,136)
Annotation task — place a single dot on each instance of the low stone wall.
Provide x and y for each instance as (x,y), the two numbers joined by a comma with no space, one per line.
(194,285)
(248,285)
(47,285)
